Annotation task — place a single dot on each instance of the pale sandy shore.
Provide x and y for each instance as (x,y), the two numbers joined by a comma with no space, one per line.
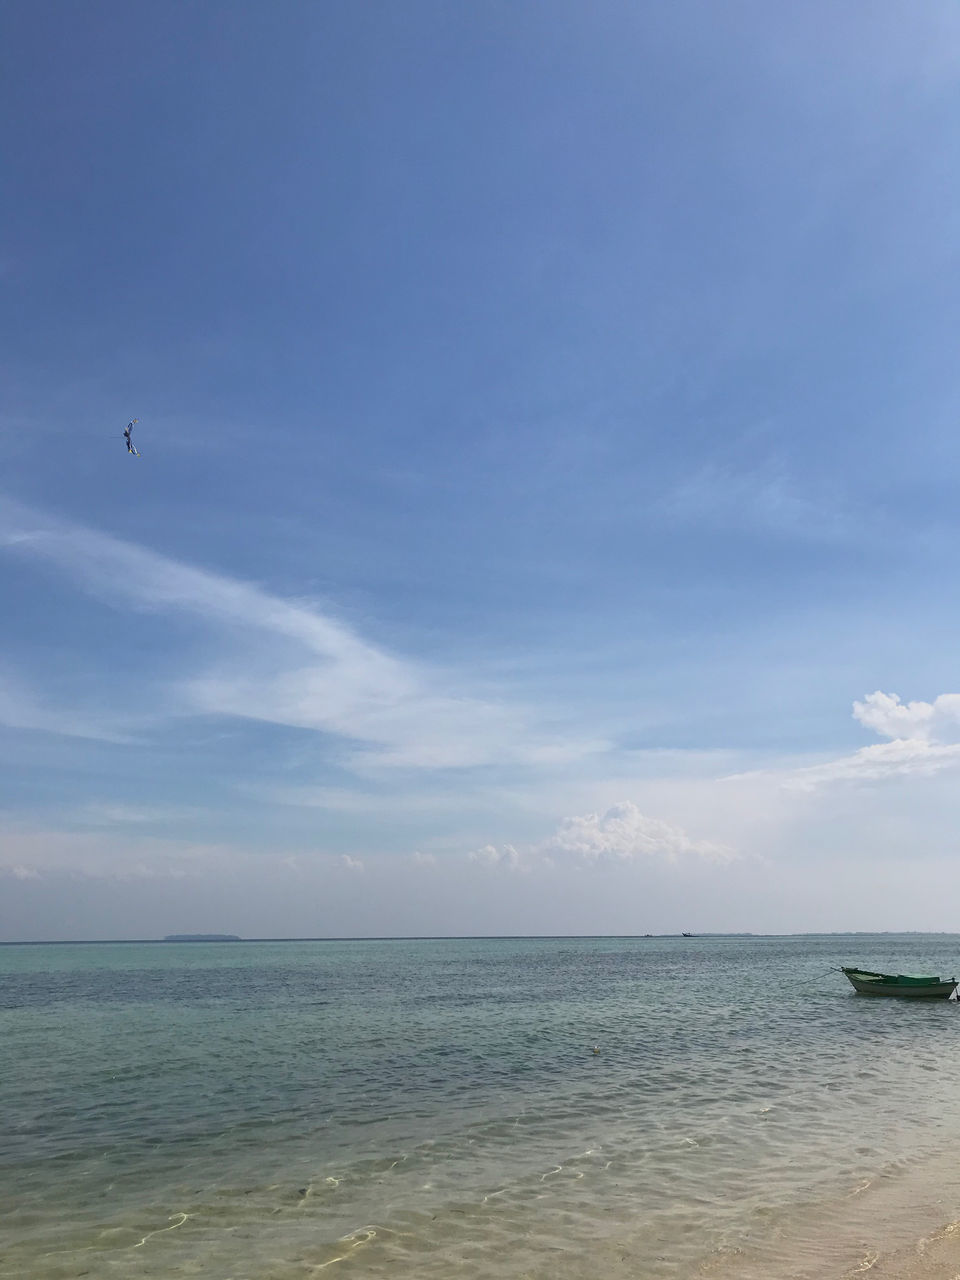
(935,1257)
(903,1224)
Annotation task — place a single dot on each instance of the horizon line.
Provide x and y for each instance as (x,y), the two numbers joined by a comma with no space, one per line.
(472,937)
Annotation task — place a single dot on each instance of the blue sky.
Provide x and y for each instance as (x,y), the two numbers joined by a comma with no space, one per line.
(548,429)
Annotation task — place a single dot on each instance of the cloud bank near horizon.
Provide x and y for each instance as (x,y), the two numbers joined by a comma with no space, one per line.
(396,727)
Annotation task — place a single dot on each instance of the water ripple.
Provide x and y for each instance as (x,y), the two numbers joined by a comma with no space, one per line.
(413,1108)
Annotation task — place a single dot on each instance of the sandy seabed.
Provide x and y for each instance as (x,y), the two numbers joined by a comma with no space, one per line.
(902,1225)
(935,1258)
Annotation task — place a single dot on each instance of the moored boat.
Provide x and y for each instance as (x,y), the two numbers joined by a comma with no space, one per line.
(900,984)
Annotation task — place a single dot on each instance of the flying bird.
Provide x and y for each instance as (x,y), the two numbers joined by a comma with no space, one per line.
(131,447)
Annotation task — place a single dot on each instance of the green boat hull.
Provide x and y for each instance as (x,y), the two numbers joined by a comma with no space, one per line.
(900,985)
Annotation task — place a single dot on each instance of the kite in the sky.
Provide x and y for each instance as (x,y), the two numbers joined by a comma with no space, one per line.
(131,447)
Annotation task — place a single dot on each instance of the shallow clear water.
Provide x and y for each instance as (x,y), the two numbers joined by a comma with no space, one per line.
(277,1110)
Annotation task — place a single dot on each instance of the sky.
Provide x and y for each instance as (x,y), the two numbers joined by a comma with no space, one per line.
(546,518)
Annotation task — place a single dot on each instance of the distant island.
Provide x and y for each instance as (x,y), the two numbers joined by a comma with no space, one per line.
(202,937)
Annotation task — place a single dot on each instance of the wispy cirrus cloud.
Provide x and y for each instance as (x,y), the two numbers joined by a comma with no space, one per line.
(37,852)
(363,799)
(289,662)
(764,498)
(20,708)
(900,758)
(98,813)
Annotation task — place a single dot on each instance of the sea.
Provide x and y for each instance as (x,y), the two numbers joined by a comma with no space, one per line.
(475,1108)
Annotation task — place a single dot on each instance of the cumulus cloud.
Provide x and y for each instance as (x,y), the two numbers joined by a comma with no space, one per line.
(423,859)
(625,833)
(886,715)
(622,833)
(490,855)
(351,864)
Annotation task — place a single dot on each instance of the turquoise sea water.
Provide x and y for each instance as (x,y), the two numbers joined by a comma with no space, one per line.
(435,1108)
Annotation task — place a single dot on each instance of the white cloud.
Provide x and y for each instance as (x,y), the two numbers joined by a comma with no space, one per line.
(389,802)
(622,833)
(291,663)
(761,499)
(19,709)
(903,756)
(505,856)
(625,833)
(885,714)
(103,813)
(423,859)
(924,740)
(30,853)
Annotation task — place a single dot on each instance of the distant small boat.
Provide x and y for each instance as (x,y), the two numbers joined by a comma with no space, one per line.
(899,984)
(687,935)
